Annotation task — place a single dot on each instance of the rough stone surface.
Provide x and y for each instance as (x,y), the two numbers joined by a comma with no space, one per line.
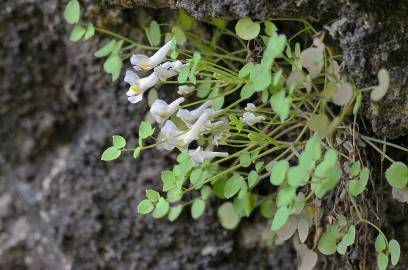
(62,208)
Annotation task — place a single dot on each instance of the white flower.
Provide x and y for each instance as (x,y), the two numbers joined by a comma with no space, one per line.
(250,118)
(198,156)
(185,89)
(189,117)
(168,70)
(143,62)
(160,110)
(172,137)
(169,135)
(250,107)
(195,131)
(139,85)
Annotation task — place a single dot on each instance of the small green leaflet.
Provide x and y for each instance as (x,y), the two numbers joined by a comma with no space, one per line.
(72,12)
(278,172)
(113,65)
(145,207)
(174,212)
(197,208)
(110,153)
(280,218)
(281,104)
(347,240)
(247,29)
(161,209)
(90,31)
(397,175)
(168,180)
(118,141)
(179,35)
(106,49)
(380,243)
(153,33)
(382,261)
(145,130)
(77,33)
(227,216)
(152,195)
(395,251)
(327,243)
(233,185)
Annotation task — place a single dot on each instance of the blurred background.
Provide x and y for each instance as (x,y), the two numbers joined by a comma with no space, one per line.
(63,208)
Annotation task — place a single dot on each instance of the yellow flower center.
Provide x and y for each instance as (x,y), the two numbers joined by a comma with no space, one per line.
(136,90)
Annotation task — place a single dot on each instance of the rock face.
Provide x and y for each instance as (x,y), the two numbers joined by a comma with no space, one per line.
(62,208)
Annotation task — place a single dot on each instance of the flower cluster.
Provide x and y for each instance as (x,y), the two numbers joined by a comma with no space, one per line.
(194,123)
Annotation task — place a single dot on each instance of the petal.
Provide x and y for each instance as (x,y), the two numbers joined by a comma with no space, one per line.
(139,59)
(135,99)
(131,77)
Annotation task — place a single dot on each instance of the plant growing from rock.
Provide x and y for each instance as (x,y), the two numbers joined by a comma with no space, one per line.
(269,126)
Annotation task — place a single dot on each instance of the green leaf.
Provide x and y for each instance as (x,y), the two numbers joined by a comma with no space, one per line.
(395,251)
(297,176)
(247,91)
(196,60)
(380,243)
(245,159)
(137,151)
(327,243)
(118,47)
(382,261)
(397,174)
(246,70)
(227,216)
(274,48)
(145,130)
(90,31)
(281,104)
(113,65)
(179,35)
(319,124)
(286,196)
(219,101)
(247,29)
(278,172)
(267,207)
(262,80)
(270,28)
(106,49)
(356,168)
(356,187)
(110,154)
(205,192)
(185,20)
(118,141)
(347,240)
(161,209)
(77,33)
(153,33)
(152,195)
(280,218)
(253,178)
(168,180)
(145,207)
(233,185)
(183,75)
(198,208)
(72,12)
(174,212)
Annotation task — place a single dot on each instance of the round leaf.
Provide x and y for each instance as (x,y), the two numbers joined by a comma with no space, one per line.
(175,212)
(162,207)
(380,244)
(247,29)
(382,261)
(395,251)
(72,12)
(198,208)
(118,141)
(145,207)
(327,243)
(397,175)
(278,172)
(227,216)
(77,33)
